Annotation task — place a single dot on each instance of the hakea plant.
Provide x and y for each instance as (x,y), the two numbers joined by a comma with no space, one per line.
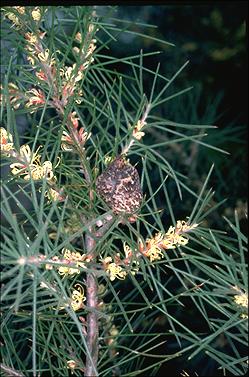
(113,199)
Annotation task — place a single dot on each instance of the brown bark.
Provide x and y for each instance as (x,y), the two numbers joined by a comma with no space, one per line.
(92,318)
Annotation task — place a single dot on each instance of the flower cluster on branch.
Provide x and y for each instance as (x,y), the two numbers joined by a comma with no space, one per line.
(118,267)
(47,69)
(241,301)
(72,262)
(28,164)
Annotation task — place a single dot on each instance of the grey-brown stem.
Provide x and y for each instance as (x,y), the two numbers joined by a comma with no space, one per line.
(10,372)
(92,319)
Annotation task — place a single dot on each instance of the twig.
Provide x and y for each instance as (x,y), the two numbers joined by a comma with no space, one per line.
(143,120)
(92,338)
(104,228)
(10,372)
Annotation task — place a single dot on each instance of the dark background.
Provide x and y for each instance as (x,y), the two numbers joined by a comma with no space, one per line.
(211,35)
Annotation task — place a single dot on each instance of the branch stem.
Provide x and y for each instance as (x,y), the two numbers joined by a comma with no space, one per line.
(128,146)
(10,372)
(92,319)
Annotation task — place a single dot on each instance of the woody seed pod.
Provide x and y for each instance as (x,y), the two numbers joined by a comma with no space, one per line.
(119,186)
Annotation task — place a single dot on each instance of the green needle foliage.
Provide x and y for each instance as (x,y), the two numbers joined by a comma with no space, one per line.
(91,284)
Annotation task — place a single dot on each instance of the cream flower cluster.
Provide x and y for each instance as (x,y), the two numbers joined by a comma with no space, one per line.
(117,268)
(85,51)
(47,70)
(67,144)
(70,75)
(77,298)
(31,166)
(6,141)
(28,164)
(75,257)
(241,300)
(14,96)
(137,133)
(114,270)
(174,237)
(66,270)
(153,250)
(17,11)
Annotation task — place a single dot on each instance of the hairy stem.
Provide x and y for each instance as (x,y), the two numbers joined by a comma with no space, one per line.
(92,319)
